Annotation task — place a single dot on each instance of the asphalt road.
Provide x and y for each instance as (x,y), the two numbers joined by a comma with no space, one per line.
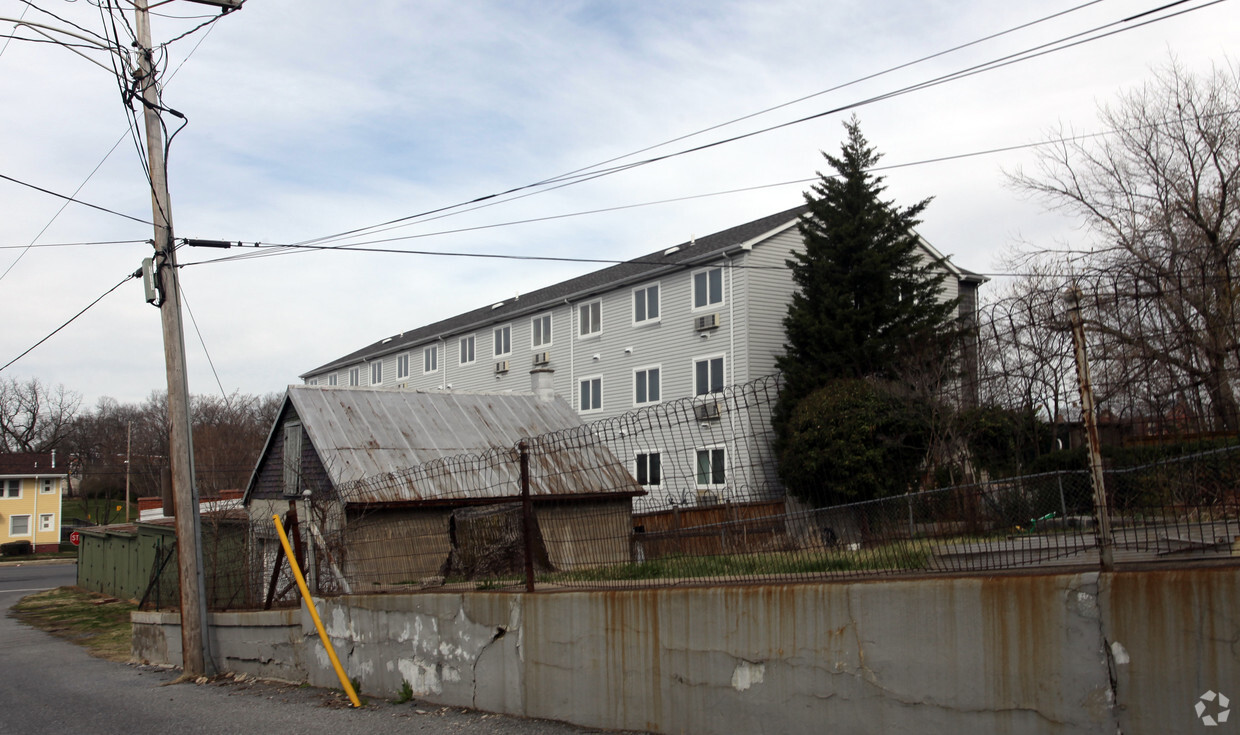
(48,685)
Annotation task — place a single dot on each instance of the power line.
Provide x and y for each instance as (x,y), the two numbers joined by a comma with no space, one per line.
(271,249)
(62,208)
(71,319)
(72,244)
(592,172)
(203,342)
(9,38)
(129,130)
(75,201)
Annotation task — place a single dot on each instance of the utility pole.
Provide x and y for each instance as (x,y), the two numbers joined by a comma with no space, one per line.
(195,656)
(128,456)
(1102,510)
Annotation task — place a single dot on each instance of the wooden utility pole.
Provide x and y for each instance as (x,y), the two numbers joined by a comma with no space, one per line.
(195,656)
(128,455)
(1102,510)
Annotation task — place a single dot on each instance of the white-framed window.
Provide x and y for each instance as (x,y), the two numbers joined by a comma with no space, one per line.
(649,469)
(355,377)
(376,372)
(12,488)
(589,319)
(707,288)
(503,340)
(467,350)
(333,379)
(47,521)
(591,394)
(19,525)
(402,366)
(430,359)
(646,304)
(540,331)
(708,375)
(47,486)
(711,470)
(647,386)
(312,381)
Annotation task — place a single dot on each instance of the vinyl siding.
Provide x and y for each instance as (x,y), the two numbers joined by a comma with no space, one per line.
(34,504)
(770,290)
(750,336)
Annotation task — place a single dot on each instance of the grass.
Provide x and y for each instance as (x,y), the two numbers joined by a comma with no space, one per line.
(99,623)
(406,692)
(903,556)
(100,511)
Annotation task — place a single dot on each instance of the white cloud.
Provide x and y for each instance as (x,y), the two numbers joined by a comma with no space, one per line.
(308,118)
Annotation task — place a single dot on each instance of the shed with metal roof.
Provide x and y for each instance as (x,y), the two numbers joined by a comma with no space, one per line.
(384,476)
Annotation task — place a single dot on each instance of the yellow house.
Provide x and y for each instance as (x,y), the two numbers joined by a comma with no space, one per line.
(31,489)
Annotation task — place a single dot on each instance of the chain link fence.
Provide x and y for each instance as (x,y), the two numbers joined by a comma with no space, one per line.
(587,508)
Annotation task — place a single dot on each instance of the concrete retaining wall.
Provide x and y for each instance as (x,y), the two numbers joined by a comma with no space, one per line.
(1078,653)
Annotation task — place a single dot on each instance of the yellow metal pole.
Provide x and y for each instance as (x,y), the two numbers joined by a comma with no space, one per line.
(314,614)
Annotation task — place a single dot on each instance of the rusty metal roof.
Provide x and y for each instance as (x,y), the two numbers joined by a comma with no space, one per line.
(369,439)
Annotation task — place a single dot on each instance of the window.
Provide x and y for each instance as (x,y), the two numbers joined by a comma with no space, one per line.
(710,469)
(430,359)
(646,304)
(646,386)
(707,376)
(376,372)
(402,366)
(707,288)
(12,488)
(589,319)
(355,376)
(541,329)
(333,379)
(649,469)
(47,521)
(47,487)
(467,350)
(19,525)
(591,394)
(312,381)
(503,341)
(292,458)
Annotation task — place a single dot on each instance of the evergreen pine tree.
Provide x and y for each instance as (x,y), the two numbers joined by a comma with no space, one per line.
(867,304)
(866,297)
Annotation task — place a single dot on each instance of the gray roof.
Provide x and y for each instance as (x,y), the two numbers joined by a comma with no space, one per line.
(377,434)
(686,255)
(689,254)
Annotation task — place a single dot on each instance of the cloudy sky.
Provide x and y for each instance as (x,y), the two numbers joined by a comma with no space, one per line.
(308,119)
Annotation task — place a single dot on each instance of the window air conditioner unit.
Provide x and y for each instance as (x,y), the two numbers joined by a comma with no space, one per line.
(542,358)
(707,497)
(501,367)
(707,411)
(708,321)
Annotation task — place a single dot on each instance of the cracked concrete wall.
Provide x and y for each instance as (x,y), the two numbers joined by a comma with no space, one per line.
(1066,653)
(1173,636)
(1001,655)
(267,643)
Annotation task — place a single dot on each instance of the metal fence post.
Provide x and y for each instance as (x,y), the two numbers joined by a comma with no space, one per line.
(1102,511)
(527,515)
(1063,505)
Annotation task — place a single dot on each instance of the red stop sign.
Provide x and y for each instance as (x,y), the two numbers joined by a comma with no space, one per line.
(75,538)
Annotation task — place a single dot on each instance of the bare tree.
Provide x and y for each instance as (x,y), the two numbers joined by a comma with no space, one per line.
(1026,349)
(1160,193)
(34,417)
